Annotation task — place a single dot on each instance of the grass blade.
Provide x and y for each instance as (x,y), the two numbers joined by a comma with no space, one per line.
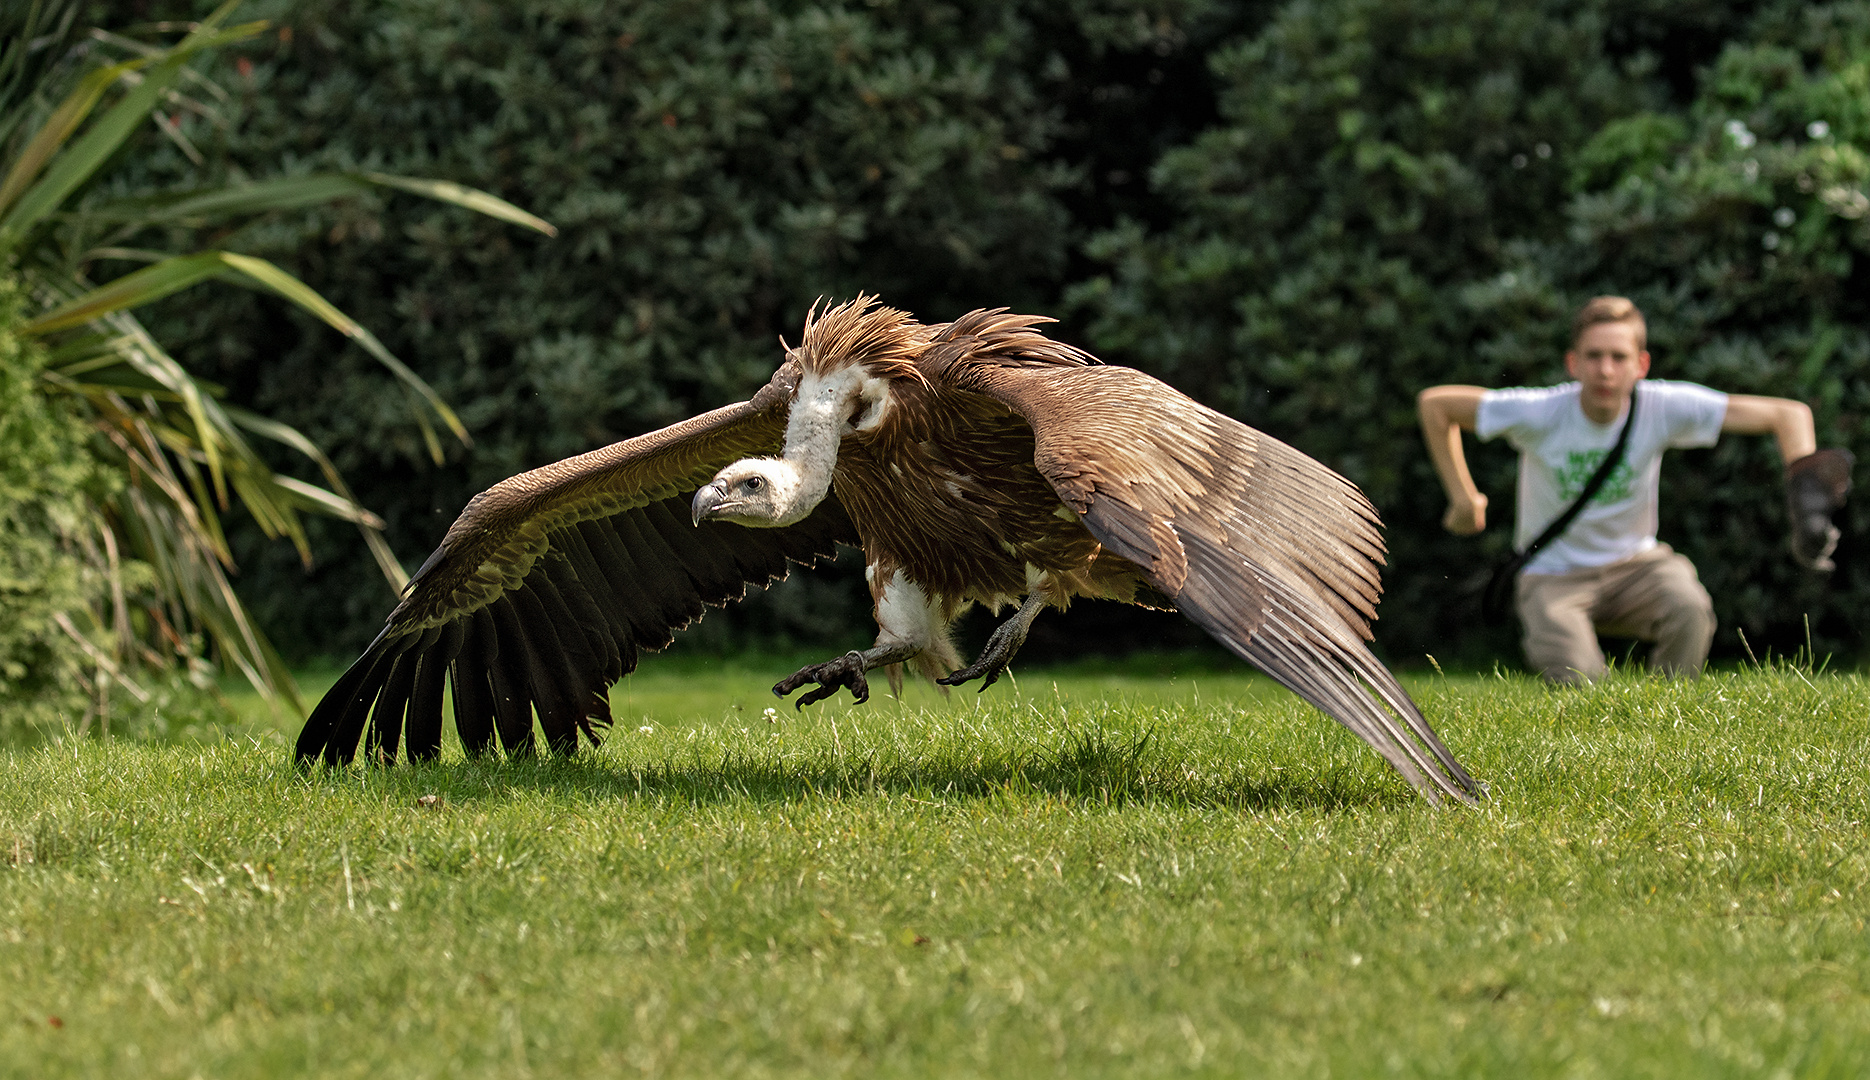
(292,192)
(345,506)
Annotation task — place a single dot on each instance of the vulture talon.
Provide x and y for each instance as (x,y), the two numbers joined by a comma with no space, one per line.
(998,655)
(831,676)
(984,669)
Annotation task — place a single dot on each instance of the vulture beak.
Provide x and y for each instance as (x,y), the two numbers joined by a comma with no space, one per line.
(708,500)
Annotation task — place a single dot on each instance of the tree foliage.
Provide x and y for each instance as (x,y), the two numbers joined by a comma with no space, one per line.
(1740,226)
(713,168)
(1302,212)
(1400,195)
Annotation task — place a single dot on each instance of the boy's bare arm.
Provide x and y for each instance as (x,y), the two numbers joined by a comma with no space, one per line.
(1445,412)
(1788,421)
(1817,481)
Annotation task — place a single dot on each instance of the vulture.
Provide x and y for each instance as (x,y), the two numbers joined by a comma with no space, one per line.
(973,462)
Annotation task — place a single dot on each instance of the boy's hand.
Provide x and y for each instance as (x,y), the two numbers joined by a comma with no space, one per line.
(1467,515)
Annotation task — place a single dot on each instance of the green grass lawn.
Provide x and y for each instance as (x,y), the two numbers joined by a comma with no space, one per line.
(1085,874)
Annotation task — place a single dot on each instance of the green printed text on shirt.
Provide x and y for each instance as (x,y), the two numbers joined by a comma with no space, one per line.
(1580,465)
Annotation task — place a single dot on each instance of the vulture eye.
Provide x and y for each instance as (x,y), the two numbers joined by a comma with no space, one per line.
(752,483)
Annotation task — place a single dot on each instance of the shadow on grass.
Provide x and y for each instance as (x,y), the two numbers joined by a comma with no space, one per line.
(1090,768)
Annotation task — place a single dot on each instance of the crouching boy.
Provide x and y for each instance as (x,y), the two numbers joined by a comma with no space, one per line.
(1605,572)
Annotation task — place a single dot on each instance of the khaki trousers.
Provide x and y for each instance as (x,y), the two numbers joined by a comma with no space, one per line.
(1655,596)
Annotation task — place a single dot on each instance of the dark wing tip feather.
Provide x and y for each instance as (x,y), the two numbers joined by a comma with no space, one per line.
(337,722)
(549,583)
(555,643)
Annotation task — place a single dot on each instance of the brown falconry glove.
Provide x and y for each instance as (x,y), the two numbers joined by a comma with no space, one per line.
(1816,485)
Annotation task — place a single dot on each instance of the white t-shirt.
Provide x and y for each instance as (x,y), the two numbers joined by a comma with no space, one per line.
(1560,448)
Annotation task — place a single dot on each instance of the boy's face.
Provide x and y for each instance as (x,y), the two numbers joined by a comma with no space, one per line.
(1606,362)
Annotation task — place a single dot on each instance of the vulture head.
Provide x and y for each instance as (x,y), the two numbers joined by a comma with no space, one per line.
(848,360)
(761,493)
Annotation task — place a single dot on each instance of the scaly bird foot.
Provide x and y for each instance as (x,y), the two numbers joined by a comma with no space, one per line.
(845,671)
(993,660)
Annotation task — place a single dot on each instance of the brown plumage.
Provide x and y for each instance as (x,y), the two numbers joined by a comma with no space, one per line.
(974,462)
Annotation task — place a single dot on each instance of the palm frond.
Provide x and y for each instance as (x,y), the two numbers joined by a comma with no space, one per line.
(184,456)
(81,157)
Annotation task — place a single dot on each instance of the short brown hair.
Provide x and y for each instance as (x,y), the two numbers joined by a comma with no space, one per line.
(1603,309)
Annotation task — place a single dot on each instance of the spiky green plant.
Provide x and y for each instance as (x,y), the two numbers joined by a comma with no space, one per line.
(69,103)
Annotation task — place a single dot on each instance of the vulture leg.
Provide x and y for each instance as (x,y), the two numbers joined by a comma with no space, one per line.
(909,623)
(846,671)
(1006,640)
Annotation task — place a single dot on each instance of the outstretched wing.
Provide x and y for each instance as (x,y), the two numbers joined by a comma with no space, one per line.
(548,583)
(1275,555)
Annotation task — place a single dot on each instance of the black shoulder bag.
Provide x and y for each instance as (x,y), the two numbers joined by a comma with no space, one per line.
(1497,601)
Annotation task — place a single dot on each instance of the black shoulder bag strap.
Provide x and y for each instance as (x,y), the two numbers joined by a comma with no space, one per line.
(1497,601)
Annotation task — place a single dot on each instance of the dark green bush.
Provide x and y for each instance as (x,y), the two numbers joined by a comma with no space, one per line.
(1741,229)
(1347,200)
(44,472)
(1405,194)
(714,168)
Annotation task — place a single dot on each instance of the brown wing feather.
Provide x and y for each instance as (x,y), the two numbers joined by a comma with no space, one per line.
(548,584)
(1275,555)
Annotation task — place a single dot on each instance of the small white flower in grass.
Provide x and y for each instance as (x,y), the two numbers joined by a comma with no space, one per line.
(1817,129)
(647,730)
(771,715)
